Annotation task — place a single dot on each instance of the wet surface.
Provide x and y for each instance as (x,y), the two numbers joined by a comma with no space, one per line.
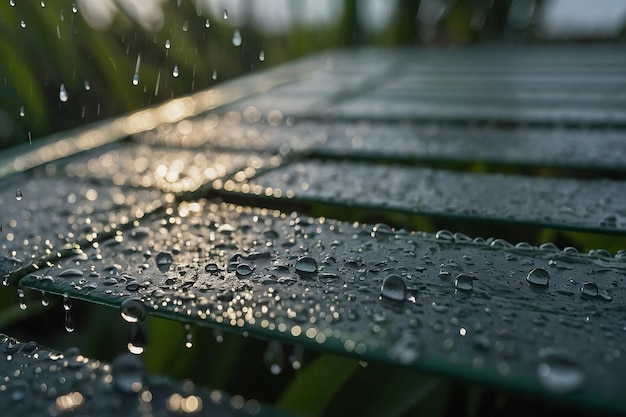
(476,308)
(555,202)
(42,382)
(140,224)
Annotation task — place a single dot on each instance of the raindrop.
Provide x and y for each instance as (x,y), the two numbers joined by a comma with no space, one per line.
(128,373)
(175,71)
(136,74)
(237,38)
(211,268)
(296,357)
(63,93)
(136,339)
(539,277)
(71,273)
(406,350)
(18,195)
(559,373)
(243,270)
(5,280)
(185,25)
(167,44)
(42,4)
(589,289)
(188,337)
(164,261)
(393,288)
(262,55)
(444,235)
(22,113)
(22,299)
(214,75)
(87,86)
(74,8)
(22,24)
(69,322)
(12,3)
(44,299)
(306,265)
(219,335)
(464,282)
(274,357)
(132,310)
(225,14)
(207,24)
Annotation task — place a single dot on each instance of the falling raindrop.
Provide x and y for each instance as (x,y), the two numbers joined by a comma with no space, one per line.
(262,55)
(274,357)
(74,8)
(136,339)
(63,93)
(12,3)
(132,310)
(225,14)
(87,86)
(22,113)
(128,373)
(207,24)
(539,277)
(175,71)
(164,261)
(393,288)
(69,320)
(237,38)
(558,372)
(188,337)
(22,299)
(136,74)
(296,358)
(185,26)
(22,24)
(44,299)
(168,44)
(214,75)
(18,195)
(306,265)
(464,282)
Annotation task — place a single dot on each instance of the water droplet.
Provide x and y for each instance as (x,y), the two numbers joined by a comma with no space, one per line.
(559,373)
(5,280)
(243,270)
(22,24)
(306,265)
(136,339)
(22,299)
(464,282)
(444,235)
(219,335)
(296,357)
(44,299)
(128,373)
(167,44)
(207,24)
(175,71)
(71,273)
(539,277)
(74,8)
(164,261)
(136,74)
(262,55)
(406,350)
(132,310)
(63,93)
(188,337)
(18,195)
(589,289)
(12,3)
(393,288)
(185,26)
(22,112)
(67,302)
(87,86)
(214,75)
(274,357)
(237,38)
(69,319)
(225,15)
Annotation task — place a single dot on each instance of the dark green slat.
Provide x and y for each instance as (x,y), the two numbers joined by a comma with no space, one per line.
(467,311)
(42,382)
(592,205)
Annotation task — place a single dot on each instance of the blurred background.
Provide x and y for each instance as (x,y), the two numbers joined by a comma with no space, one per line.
(64,64)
